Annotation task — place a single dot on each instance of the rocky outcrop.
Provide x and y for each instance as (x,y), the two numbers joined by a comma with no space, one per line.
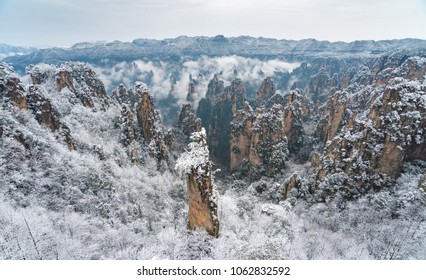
(36,100)
(11,89)
(120,94)
(191,90)
(47,115)
(296,111)
(127,127)
(266,91)
(322,84)
(77,77)
(293,182)
(241,137)
(334,117)
(42,108)
(145,112)
(188,122)
(376,125)
(388,133)
(149,122)
(216,112)
(195,166)
(202,211)
(324,76)
(261,139)
(214,88)
(173,82)
(128,136)
(269,145)
(234,95)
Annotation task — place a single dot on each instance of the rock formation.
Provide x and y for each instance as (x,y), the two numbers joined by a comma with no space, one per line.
(266,91)
(294,181)
(334,117)
(216,112)
(188,122)
(371,132)
(128,136)
(149,122)
(261,139)
(44,112)
(191,90)
(47,115)
(214,88)
(34,99)
(241,137)
(195,166)
(120,94)
(77,77)
(11,89)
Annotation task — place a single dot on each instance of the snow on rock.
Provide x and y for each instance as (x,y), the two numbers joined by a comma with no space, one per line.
(195,166)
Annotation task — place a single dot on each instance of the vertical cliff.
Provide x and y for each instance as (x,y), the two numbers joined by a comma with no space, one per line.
(195,166)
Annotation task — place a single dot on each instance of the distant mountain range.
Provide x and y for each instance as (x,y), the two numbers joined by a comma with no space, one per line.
(184,47)
(8,50)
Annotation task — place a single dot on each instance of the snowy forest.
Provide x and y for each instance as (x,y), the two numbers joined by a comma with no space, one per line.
(222,157)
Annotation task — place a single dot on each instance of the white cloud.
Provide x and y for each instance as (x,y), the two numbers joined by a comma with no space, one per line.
(157,75)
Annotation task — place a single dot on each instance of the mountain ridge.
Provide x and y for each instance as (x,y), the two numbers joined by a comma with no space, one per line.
(184,47)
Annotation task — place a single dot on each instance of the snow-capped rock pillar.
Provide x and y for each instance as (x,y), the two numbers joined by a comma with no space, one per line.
(195,166)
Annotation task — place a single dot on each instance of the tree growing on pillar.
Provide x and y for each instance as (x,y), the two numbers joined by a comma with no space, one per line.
(195,166)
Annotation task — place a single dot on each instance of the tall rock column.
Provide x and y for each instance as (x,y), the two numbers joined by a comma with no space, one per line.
(195,166)
(150,124)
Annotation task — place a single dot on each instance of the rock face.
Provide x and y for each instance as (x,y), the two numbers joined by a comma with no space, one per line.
(188,122)
(47,115)
(128,136)
(294,181)
(269,145)
(196,167)
(42,108)
(241,137)
(371,131)
(296,110)
(191,89)
(127,126)
(36,100)
(120,94)
(322,77)
(266,91)
(11,89)
(77,77)
(149,122)
(215,87)
(334,117)
(216,112)
(256,140)
(383,139)
(261,139)
(145,111)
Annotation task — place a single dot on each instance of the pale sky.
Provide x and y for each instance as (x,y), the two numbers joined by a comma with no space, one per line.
(65,22)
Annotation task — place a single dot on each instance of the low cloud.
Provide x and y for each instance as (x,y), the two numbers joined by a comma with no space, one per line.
(157,74)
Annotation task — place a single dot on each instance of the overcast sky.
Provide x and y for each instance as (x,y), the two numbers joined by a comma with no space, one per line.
(65,22)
